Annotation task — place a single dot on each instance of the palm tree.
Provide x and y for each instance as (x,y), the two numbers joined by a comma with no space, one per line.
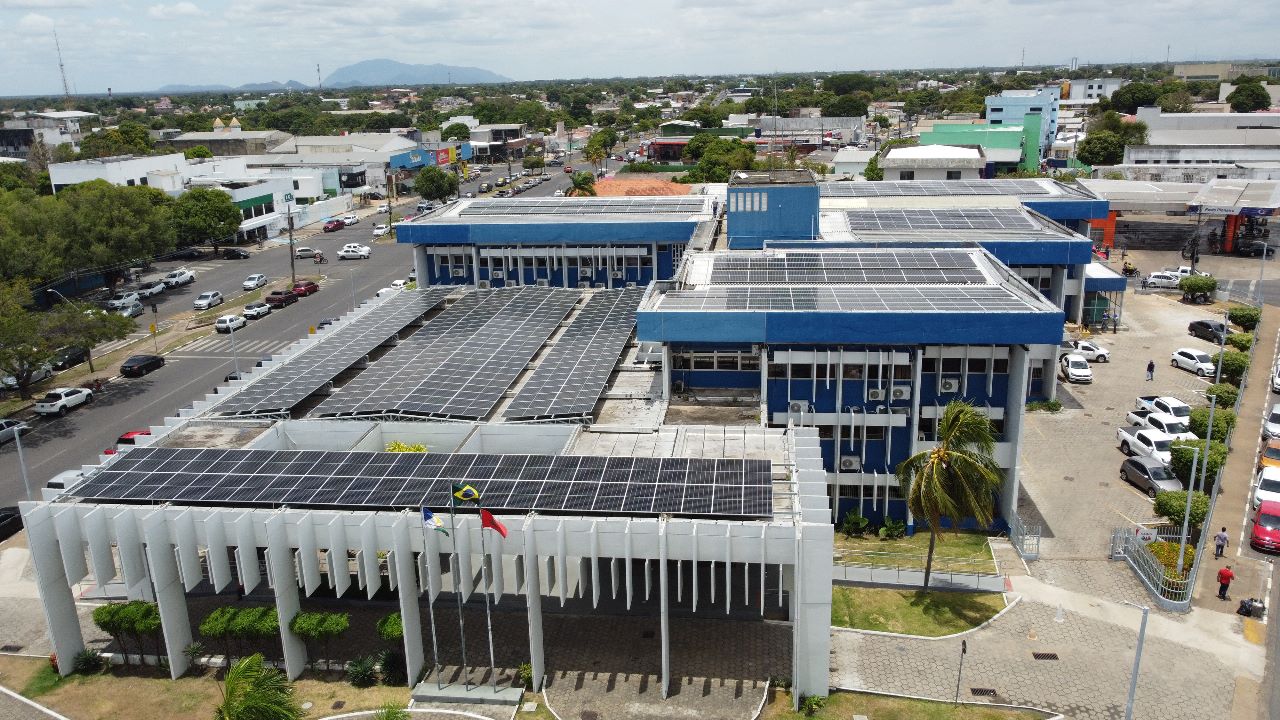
(253,691)
(594,154)
(957,478)
(584,183)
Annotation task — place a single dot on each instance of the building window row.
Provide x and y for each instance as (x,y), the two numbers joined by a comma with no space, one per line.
(975,366)
(869,492)
(824,371)
(718,360)
(852,434)
(748,202)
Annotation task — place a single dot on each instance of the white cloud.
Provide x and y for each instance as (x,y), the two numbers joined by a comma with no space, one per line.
(43,4)
(172,12)
(35,23)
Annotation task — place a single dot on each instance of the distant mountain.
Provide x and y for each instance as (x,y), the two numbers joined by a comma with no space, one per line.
(272,86)
(389,72)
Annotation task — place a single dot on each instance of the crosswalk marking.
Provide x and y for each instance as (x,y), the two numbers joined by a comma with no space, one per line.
(221,343)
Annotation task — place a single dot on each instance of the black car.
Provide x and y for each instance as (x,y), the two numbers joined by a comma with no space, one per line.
(1254,248)
(235,254)
(188,253)
(1211,330)
(140,365)
(10,522)
(69,357)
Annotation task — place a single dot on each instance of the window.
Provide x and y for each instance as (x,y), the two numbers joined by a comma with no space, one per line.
(978,366)
(953,174)
(1037,372)
(704,362)
(929,365)
(852,372)
(951,366)
(996,109)
(997,427)
(777,370)
(749,362)
(726,362)
(826,432)
(822,372)
(906,174)
(1037,109)
(1000,366)
(995,122)
(875,432)
(129,182)
(901,372)
(801,372)
(142,181)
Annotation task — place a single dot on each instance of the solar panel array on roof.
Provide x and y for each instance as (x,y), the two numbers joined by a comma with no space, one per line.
(462,336)
(883,299)
(678,205)
(932,188)
(471,380)
(286,385)
(570,379)
(579,484)
(927,220)
(802,268)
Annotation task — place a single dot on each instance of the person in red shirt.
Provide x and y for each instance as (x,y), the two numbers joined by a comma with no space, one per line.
(1225,576)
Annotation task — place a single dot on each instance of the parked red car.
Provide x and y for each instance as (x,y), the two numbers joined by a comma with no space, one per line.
(303,288)
(281,298)
(334,225)
(568,168)
(129,438)
(1265,533)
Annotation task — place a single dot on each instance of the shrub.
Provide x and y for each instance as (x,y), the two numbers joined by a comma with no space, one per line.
(639,167)
(811,704)
(319,627)
(390,628)
(194,652)
(1240,341)
(1234,365)
(1224,396)
(525,674)
(88,662)
(1052,406)
(1167,554)
(397,446)
(854,525)
(893,529)
(1245,317)
(781,683)
(1194,286)
(391,711)
(362,672)
(1172,505)
(1224,421)
(394,670)
(1182,456)
(217,626)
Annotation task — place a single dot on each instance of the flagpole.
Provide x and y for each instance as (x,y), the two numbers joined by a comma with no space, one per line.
(488,619)
(431,614)
(457,592)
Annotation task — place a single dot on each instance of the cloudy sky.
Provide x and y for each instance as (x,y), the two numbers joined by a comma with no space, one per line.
(139,45)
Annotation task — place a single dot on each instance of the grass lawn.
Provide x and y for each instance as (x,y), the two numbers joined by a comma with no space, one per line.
(911,612)
(539,713)
(843,705)
(149,694)
(954,552)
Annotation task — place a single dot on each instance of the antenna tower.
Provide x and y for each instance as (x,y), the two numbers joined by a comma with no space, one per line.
(319,83)
(66,88)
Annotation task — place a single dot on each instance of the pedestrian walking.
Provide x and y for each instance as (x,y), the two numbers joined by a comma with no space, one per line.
(1219,543)
(1151,370)
(1225,576)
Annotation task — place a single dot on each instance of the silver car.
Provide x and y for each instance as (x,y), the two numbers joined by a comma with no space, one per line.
(9,428)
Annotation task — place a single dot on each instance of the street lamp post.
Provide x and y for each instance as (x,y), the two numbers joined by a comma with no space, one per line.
(1208,440)
(1222,344)
(1186,516)
(88,351)
(235,357)
(1137,659)
(293,272)
(22,462)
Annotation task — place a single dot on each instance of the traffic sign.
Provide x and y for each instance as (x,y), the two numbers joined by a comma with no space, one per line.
(1146,535)
(153,328)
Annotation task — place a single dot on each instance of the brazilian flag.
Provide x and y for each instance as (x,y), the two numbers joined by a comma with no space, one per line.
(465,493)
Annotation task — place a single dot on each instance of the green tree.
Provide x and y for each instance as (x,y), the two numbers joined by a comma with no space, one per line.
(1181,453)
(593,153)
(433,183)
(533,162)
(956,479)
(1249,97)
(321,627)
(584,183)
(97,223)
(873,170)
(205,215)
(216,626)
(1172,506)
(1224,421)
(1194,286)
(128,138)
(881,121)
(847,83)
(1222,395)
(1133,96)
(756,105)
(111,621)
(1101,148)
(1234,365)
(845,106)
(456,131)
(1177,102)
(197,151)
(253,691)
(1246,317)
(697,144)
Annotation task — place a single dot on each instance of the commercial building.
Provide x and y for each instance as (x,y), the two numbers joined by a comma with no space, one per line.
(493,143)
(1007,146)
(119,170)
(1093,88)
(934,162)
(1221,71)
(850,162)
(231,139)
(1273,89)
(53,128)
(1011,107)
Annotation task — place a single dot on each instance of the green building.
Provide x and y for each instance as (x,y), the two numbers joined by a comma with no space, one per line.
(996,140)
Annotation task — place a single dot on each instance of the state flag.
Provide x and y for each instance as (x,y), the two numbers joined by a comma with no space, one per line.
(487,520)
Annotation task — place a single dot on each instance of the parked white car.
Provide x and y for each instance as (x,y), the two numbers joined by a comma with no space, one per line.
(1193,360)
(1090,351)
(1271,426)
(41,373)
(1275,380)
(1162,280)
(1145,442)
(1179,428)
(1075,369)
(207,300)
(152,288)
(254,281)
(558,193)
(229,323)
(380,230)
(304,252)
(256,310)
(123,299)
(59,400)
(1163,404)
(181,276)
(353,251)
(384,208)
(350,219)
(1266,486)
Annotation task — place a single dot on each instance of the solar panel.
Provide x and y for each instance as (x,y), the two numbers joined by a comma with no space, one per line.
(928,220)
(802,268)
(284,386)
(570,379)
(680,205)
(880,299)
(577,484)
(943,188)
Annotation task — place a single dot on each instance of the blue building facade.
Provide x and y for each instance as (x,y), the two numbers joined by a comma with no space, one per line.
(771,205)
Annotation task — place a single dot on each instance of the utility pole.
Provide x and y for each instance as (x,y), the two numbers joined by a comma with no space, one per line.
(293,272)
(319,83)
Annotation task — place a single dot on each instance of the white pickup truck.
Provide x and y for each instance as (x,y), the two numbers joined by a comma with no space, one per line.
(1185,271)
(1165,423)
(1163,404)
(1145,442)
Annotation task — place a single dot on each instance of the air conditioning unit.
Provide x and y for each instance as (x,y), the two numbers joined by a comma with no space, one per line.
(798,406)
(584,272)
(598,285)
(949,385)
(542,282)
(584,285)
(457,272)
(849,462)
(875,394)
(482,284)
(631,284)
(900,393)
(616,274)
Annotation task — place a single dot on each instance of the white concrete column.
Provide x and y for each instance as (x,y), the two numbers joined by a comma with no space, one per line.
(133,565)
(666,372)
(1015,408)
(410,617)
(216,543)
(171,599)
(1058,285)
(664,609)
(308,554)
(284,578)
(62,623)
(764,386)
(533,601)
(811,602)
(339,568)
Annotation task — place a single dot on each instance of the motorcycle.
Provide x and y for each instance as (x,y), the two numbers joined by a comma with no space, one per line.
(319,259)
(96,384)
(1130,270)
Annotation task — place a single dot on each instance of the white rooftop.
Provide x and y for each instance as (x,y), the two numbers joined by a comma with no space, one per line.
(917,152)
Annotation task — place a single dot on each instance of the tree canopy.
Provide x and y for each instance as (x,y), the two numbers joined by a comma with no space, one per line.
(1129,98)
(456,131)
(1101,148)
(433,183)
(1249,97)
(205,215)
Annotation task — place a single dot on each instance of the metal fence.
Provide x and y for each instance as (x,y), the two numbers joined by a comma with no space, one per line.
(898,562)
(1024,538)
(1170,593)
